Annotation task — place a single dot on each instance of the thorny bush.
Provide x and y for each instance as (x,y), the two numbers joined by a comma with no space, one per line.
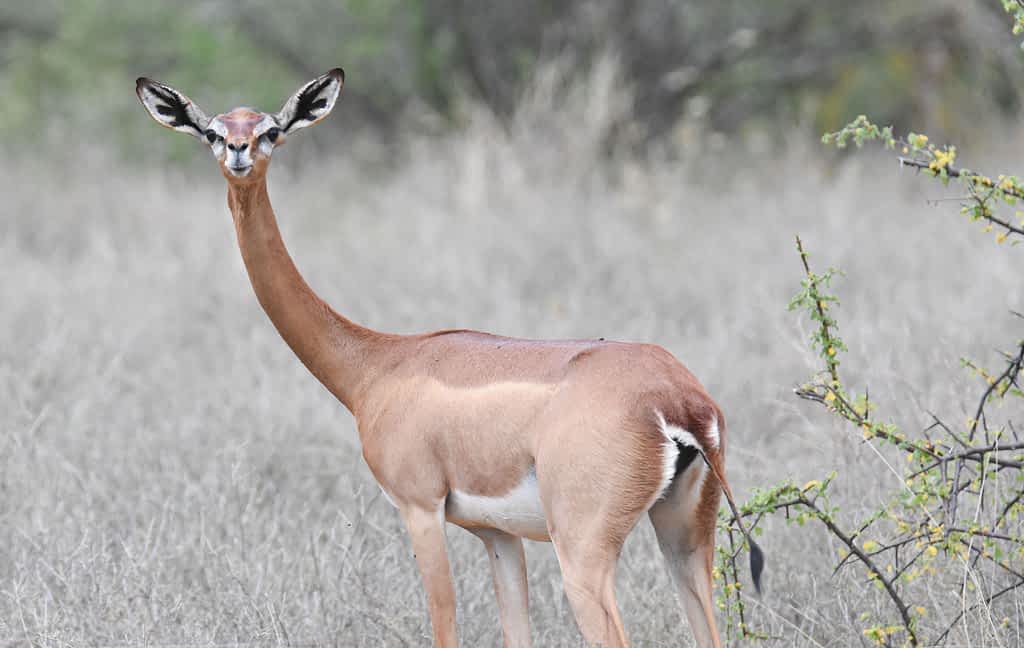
(956,525)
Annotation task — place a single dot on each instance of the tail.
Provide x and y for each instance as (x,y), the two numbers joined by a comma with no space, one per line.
(756,555)
(685,439)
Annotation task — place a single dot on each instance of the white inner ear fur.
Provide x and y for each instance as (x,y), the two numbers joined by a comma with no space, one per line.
(290,117)
(156,95)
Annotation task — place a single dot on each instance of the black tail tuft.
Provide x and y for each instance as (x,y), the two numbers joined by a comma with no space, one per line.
(756,555)
(756,563)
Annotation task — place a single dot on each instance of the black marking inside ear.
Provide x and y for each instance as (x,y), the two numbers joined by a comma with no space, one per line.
(312,102)
(171,108)
(308,103)
(174,108)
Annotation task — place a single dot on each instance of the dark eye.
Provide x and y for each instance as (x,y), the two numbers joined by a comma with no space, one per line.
(272,134)
(211,136)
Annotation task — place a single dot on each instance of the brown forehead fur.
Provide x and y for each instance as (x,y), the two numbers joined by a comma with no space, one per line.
(240,122)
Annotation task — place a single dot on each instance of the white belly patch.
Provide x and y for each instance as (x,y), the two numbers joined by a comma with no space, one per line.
(518,511)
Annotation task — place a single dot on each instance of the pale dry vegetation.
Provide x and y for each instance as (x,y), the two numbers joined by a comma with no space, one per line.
(170,474)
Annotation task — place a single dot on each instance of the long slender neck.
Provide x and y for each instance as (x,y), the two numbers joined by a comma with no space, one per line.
(344,356)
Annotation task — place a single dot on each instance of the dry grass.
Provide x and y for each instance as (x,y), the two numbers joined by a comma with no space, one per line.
(170,474)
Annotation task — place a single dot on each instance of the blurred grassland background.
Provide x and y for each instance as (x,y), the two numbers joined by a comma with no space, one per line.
(170,474)
(734,66)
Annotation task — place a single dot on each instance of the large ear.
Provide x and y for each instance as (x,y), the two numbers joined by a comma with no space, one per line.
(312,102)
(170,108)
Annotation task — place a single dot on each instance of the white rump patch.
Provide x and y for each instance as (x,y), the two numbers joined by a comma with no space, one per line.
(518,511)
(668,470)
(686,438)
(678,434)
(673,435)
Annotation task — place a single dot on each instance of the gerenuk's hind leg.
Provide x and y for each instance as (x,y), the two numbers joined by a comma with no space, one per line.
(588,575)
(684,522)
(611,486)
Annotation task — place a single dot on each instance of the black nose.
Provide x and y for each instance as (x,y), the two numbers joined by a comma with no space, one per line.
(239,147)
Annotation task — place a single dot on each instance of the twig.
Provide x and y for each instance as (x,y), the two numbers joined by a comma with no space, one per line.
(954,172)
(889,586)
(987,601)
(825,332)
(1010,373)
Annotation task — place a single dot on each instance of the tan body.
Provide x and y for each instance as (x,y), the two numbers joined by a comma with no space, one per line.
(567,441)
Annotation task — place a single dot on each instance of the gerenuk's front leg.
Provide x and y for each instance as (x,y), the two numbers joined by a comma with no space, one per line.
(426,532)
